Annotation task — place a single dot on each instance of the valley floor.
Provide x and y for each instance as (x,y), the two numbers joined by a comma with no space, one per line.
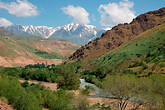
(92,100)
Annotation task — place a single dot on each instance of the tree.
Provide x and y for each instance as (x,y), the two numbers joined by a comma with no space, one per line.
(120,86)
(142,91)
(53,65)
(68,79)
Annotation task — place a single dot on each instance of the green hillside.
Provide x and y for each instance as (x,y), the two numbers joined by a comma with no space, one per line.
(148,46)
(143,55)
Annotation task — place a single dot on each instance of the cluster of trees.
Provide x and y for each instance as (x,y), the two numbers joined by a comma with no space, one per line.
(39,74)
(142,91)
(64,75)
(36,97)
(40,66)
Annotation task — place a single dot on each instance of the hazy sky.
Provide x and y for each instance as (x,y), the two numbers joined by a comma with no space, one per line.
(53,13)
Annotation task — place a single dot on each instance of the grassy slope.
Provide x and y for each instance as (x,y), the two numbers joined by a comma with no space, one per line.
(148,47)
(12,48)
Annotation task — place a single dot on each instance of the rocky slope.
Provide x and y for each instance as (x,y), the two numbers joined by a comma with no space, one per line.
(79,34)
(20,51)
(118,35)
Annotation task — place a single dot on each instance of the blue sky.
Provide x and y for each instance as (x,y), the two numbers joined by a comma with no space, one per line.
(53,13)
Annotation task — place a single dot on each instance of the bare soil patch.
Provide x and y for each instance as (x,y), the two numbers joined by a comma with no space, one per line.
(4,106)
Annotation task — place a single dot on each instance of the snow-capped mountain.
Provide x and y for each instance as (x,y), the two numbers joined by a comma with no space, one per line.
(79,34)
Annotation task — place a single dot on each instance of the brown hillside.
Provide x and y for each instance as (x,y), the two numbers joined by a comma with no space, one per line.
(119,35)
(20,51)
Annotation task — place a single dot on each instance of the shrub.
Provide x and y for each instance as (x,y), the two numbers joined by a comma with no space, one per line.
(128,71)
(25,84)
(68,78)
(62,101)
(100,107)
(10,88)
(81,103)
(27,101)
(4,99)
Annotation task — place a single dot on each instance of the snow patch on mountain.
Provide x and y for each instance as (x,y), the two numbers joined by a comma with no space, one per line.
(79,34)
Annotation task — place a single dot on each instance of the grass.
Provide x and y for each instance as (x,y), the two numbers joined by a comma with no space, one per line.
(48,55)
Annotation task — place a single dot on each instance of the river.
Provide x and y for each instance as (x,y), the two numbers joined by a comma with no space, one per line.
(83,83)
(97,90)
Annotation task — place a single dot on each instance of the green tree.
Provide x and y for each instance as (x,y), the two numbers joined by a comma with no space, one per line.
(68,79)
(142,91)
(120,86)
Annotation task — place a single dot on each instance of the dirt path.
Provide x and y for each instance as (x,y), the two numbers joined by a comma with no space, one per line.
(51,86)
(4,106)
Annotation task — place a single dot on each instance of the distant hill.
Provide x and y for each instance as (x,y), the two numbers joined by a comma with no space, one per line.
(19,51)
(79,34)
(117,36)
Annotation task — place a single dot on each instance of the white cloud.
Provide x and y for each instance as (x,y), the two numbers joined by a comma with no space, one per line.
(4,22)
(79,14)
(107,28)
(20,8)
(113,13)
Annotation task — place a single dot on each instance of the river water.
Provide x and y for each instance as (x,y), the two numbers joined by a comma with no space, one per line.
(99,92)
(83,83)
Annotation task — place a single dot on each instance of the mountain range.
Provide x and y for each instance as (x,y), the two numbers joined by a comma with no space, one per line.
(79,34)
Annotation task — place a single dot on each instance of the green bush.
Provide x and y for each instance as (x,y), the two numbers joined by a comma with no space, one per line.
(68,79)
(27,101)
(100,107)
(128,71)
(10,88)
(62,101)
(25,84)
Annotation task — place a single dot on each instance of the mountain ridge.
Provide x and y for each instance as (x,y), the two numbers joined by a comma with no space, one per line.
(76,33)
